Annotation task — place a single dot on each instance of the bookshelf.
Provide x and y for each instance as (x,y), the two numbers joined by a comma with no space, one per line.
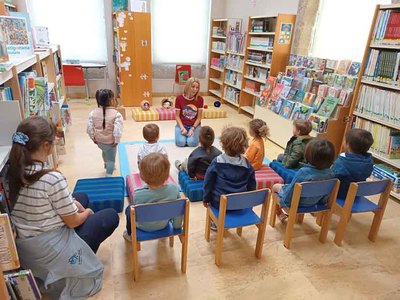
(377,93)
(267,53)
(132,57)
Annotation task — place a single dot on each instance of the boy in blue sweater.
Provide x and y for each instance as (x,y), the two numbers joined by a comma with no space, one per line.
(355,164)
(229,172)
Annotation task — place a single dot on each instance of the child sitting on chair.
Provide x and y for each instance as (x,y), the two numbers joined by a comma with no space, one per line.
(154,171)
(319,155)
(355,164)
(229,172)
(199,160)
(151,133)
(255,153)
(295,147)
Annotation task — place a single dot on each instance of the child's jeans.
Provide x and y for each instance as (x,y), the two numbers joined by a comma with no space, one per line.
(108,153)
(182,140)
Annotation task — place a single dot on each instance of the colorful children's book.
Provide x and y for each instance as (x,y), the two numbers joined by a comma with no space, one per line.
(276,91)
(394,144)
(323,90)
(318,102)
(307,84)
(320,64)
(301,111)
(286,110)
(309,99)
(354,68)
(315,86)
(292,60)
(343,66)
(299,60)
(276,108)
(299,96)
(319,123)
(330,66)
(345,97)
(286,80)
(328,106)
(292,94)
(334,92)
(285,91)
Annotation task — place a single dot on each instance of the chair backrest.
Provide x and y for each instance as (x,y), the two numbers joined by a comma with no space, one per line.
(73,75)
(317,188)
(246,199)
(369,188)
(182,73)
(165,210)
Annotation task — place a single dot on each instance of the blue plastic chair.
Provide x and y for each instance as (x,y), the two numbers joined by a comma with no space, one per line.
(156,212)
(328,188)
(236,211)
(356,202)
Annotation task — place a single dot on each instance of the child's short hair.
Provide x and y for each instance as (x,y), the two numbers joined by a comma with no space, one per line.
(234,141)
(206,137)
(154,169)
(320,153)
(359,140)
(303,126)
(259,128)
(151,132)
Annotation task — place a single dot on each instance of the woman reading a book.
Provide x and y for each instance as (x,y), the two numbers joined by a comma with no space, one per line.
(189,109)
(57,235)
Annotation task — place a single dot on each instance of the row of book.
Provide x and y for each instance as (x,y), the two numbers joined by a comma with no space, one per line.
(218,31)
(383,171)
(383,66)
(387,28)
(257,72)
(231,94)
(386,140)
(6,94)
(22,285)
(259,26)
(218,62)
(262,42)
(236,42)
(233,78)
(259,58)
(343,67)
(379,103)
(217,45)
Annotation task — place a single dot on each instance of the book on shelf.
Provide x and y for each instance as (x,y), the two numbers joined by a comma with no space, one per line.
(319,123)
(354,68)
(292,94)
(383,171)
(41,36)
(8,252)
(383,66)
(6,94)
(263,25)
(236,42)
(22,285)
(218,45)
(262,42)
(386,29)
(301,111)
(234,61)
(309,99)
(285,91)
(328,106)
(287,108)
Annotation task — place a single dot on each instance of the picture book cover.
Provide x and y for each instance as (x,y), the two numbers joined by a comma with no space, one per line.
(298,81)
(331,65)
(286,110)
(350,82)
(334,92)
(299,96)
(40,36)
(319,123)
(276,108)
(343,66)
(292,94)
(318,102)
(338,80)
(328,106)
(292,60)
(344,97)
(309,99)
(307,84)
(16,35)
(285,91)
(286,80)
(394,144)
(276,91)
(354,68)
(320,64)
(291,71)
(299,60)
(323,90)
(269,86)
(301,111)
(315,86)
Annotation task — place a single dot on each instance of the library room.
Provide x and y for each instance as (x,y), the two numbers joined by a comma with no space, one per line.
(199,149)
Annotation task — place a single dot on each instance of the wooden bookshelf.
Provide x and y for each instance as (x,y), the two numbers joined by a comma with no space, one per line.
(132,57)
(276,57)
(356,109)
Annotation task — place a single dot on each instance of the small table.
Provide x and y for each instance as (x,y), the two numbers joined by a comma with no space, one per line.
(88,65)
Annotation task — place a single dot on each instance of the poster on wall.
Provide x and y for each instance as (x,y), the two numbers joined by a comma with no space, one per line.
(285,33)
(16,35)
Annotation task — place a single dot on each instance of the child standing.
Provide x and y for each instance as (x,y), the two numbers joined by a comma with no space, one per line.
(199,160)
(105,128)
(294,151)
(229,172)
(355,164)
(151,133)
(255,153)
(319,155)
(154,171)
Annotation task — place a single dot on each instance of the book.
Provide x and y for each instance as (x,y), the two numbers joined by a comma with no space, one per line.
(17,36)
(323,90)
(319,123)
(287,81)
(23,285)
(276,91)
(40,36)
(277,105)
(354,68)
(394,144)
(8,252)
(299,96)
(292,94)
(286,110)
(285,91)
(343,66)
(309,99)
(328,106)
(318,102)
(301,111)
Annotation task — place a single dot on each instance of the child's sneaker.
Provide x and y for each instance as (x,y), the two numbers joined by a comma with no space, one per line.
(213,227)
(126,236)
(178,164)
(283,216)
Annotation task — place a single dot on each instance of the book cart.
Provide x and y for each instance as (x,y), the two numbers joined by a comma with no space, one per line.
(377,94)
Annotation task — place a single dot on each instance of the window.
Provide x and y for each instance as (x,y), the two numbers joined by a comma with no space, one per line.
(78,26)
(342,27)
(180,31)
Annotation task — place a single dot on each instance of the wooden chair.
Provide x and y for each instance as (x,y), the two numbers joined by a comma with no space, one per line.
(74,76)
(236,211)
(327,188)
(157,212)
(356,202)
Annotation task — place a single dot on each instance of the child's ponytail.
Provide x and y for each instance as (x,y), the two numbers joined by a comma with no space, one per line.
(104,97)
(259,128)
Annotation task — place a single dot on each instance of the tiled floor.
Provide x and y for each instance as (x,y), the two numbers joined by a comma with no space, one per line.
(310,270)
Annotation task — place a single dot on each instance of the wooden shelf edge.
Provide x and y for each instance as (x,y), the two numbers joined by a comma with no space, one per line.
(377,120)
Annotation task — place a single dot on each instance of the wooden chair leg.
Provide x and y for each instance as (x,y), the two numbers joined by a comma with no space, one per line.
(138,246)
(376,223)
(135,262)
(319,220)
(260,239)
(184,253)
(289,230)
(239,231)
(341,228)
(326,220)
(208,226)
(300,218)
(218,251)
(272,218)
(171,241)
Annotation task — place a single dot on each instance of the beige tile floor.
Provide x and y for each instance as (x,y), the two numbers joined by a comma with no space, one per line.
(310,270)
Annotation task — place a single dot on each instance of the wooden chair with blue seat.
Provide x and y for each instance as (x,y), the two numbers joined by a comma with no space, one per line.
(151,212)
(356,202)
(236,211)
(328,188)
